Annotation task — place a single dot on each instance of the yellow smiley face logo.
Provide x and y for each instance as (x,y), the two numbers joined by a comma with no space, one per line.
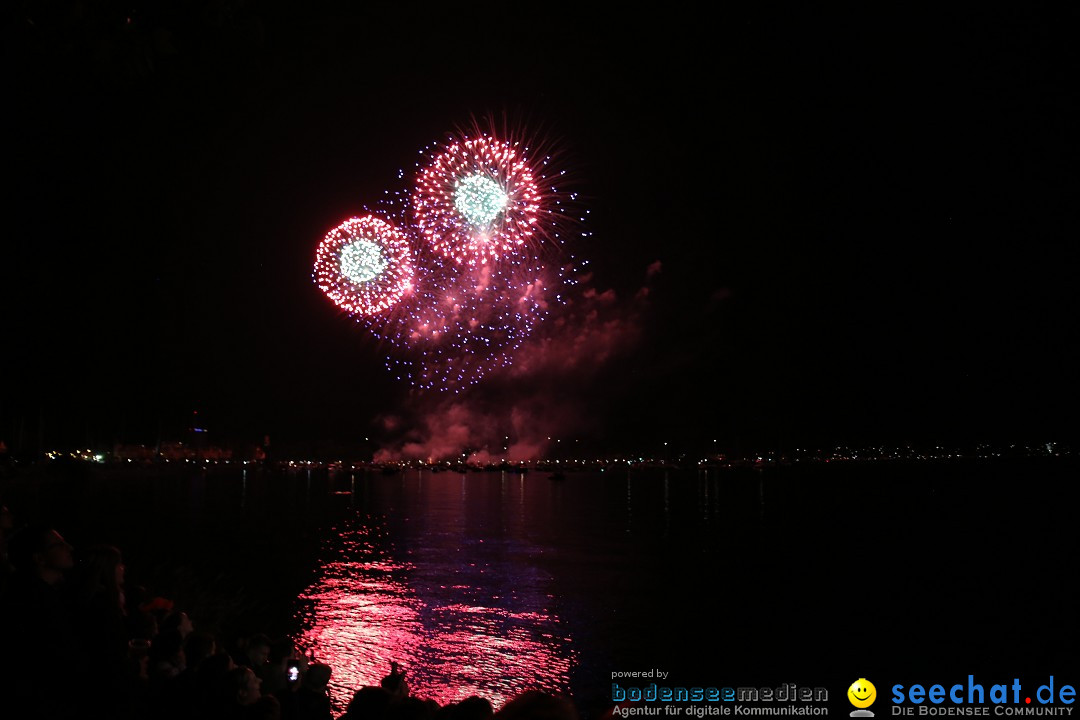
(862,693)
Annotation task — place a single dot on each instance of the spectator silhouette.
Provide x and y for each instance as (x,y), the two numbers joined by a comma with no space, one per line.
(254,653)
(410,708)
(167,659)
(394,683)
(243,698)
(472,708)
(35,619)
(179,621)
(7,524)
(312,699)
(210,678)
(198,646)
(141,622)
(368,703)
(536,705)
(98,613)
(274,673)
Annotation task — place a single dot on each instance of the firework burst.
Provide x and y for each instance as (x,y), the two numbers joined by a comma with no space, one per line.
(477,201)
(364,265)
(467,272)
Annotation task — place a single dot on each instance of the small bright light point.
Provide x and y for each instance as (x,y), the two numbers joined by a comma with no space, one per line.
(480,199)
(362,261)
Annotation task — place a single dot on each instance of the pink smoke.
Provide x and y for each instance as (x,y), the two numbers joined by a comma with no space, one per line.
(514,415)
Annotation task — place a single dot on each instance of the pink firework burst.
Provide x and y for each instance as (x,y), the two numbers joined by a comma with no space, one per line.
(364,265)
(478,200)
(465,265)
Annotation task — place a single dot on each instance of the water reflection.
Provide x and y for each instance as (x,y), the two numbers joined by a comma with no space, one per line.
(358,616)
(447,585)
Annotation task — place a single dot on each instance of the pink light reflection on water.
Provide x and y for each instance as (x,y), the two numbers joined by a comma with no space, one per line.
(364,612)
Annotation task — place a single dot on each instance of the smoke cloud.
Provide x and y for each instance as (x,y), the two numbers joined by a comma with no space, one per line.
(519,412)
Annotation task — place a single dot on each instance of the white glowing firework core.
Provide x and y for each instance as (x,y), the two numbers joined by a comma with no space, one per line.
(362,261)
(479,198)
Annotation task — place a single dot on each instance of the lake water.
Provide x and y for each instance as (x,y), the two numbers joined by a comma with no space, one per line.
(490,583)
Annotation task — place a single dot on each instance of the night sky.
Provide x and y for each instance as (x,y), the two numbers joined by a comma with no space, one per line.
(866,223)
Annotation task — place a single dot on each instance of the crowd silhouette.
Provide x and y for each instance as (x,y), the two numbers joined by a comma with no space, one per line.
(79,642)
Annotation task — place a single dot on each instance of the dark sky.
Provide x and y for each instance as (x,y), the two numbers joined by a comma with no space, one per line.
(867,223)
